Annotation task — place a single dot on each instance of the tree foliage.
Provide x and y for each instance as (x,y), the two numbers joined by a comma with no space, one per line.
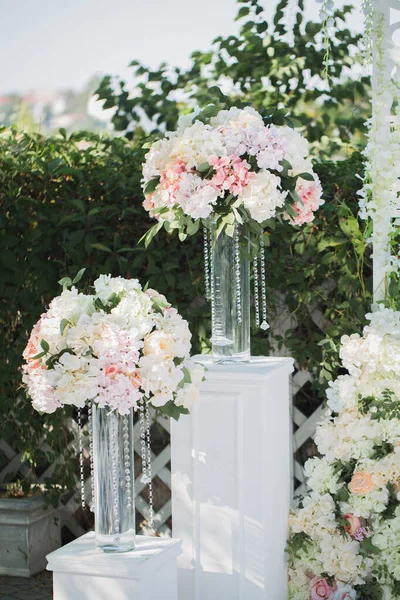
(264,66)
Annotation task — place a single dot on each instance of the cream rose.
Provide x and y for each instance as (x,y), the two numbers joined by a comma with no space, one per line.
(159,344)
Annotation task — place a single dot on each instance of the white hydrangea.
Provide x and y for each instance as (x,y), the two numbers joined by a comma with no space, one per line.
(348,436)
(262,196)
(322,476)
(195,196)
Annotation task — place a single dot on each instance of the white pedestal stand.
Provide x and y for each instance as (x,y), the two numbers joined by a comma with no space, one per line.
(81,572)
(231,467)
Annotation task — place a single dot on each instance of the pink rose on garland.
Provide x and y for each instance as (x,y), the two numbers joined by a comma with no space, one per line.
(320,589)
(353,523)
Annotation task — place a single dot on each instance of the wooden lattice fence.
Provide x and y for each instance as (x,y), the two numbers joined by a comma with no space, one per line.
(77,522)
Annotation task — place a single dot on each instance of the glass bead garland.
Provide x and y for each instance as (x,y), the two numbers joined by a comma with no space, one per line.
(127,461)
(237,275)
(114,462)
(81,462)
(207,274)
(145,445)
(256,291)
(264,325)
(149,471)
(90,428)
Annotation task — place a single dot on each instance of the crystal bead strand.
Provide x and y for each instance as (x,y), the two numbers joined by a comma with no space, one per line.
(256,291)
(127,462)
(90,428)
(81,465)
(206,262)
(237,275)
(149,471)
(264,325)
(143,452)
(212,283)
(114,466)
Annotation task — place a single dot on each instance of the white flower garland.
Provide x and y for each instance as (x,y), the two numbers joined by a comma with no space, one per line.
(379,196)
(347,531)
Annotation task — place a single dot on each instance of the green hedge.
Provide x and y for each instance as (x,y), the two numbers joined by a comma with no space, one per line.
(73,202)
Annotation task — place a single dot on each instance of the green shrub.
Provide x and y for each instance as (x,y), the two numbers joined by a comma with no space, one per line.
(68,203)
(75,202)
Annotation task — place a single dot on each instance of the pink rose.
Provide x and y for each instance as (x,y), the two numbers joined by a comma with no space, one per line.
(320,589)
(353,523)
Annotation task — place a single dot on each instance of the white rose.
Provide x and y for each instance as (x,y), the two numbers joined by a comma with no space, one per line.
(159,344)
(160,398)
(187,396)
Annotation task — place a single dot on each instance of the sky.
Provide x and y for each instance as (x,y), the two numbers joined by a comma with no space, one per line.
(58,44)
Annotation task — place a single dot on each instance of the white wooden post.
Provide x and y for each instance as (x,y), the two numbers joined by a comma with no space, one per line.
(231,488)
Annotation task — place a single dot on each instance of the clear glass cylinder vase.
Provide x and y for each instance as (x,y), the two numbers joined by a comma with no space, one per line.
(113,472)
(230,297)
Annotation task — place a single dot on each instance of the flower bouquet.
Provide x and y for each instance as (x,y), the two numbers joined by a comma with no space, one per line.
(117,350)
(234,172)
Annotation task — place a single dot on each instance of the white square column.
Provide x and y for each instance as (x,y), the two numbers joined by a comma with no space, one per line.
(231,488)
(82,572)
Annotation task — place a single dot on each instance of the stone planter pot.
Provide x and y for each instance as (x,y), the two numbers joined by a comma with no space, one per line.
(28,531)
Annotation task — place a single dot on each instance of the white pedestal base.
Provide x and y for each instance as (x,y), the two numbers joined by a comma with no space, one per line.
(231,487)
(82,572)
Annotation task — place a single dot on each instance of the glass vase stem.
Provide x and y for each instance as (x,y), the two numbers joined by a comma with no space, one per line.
(230,296)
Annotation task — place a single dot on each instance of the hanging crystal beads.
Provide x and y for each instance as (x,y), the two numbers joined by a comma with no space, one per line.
(207,269)
(149,471)
(256,291)
(145,446)
(81,461)
(264,325)
(90,428)
(114,466)
(237,275)
(127,461)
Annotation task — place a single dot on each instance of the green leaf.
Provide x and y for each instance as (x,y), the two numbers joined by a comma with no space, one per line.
(306,176)
(79,204)
(63,324)
(203,167)
(186,375)
(102,247)
(243,12)
(79,275)
(45,346)
(39,355)
(151,186)
(66,282)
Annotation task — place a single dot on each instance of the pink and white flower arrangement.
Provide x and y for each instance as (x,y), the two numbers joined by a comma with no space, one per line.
(345,536)
(114,347)
(229,163)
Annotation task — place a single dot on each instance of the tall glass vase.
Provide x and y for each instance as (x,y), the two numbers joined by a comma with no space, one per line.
(230,297)
(114,498)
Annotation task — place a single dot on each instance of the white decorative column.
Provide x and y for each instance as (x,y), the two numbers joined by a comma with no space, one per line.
(82,572)
(231,465)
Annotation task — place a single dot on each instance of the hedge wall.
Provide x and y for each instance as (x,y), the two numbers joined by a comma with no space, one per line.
(68,202)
